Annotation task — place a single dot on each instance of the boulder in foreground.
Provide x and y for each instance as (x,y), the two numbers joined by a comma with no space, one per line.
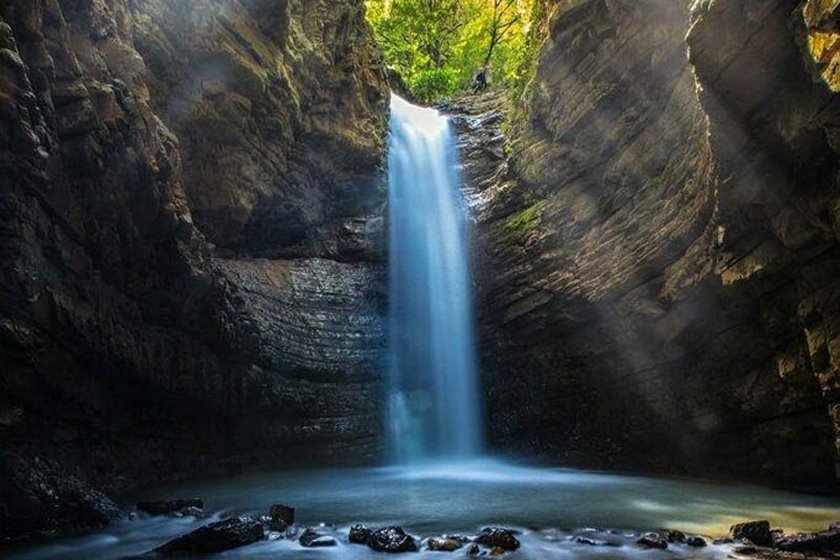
(166,507)
(757,532)
(652,540)
(495,537)
(391,539)
(215,537)
(824,541)
(697,542)
(38,498)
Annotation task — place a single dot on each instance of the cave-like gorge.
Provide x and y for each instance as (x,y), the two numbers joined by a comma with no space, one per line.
(197,263)
(672,254)
(186,257)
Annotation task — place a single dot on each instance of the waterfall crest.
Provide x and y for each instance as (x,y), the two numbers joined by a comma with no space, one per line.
(433,398)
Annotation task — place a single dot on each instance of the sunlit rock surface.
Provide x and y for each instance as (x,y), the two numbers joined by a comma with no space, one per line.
(130,134)
(658,256)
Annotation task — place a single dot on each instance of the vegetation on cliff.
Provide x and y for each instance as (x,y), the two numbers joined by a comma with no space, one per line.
(437,46)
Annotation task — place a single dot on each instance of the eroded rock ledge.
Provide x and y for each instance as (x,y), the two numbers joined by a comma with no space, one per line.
(663,244)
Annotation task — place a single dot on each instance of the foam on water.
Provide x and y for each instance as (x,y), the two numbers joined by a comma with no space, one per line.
(551,508)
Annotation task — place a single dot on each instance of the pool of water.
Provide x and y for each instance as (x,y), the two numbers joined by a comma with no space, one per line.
(550,507)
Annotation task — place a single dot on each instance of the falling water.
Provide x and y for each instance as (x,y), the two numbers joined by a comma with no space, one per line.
(433,403)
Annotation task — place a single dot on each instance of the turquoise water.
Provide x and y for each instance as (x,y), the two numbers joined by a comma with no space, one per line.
(549,506)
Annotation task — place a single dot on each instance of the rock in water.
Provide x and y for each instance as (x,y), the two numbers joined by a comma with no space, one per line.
(359,534)
(652,540)
(494,537)
(674,536)
(215,537)
(391,539)
(697,542)
(311,538)
(824,541)
(166,507)
(198,513)
(757,532)
(282,513)
(443,544)
(39,498)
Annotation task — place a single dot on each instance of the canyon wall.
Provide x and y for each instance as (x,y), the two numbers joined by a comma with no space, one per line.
(191,235)
(657,243)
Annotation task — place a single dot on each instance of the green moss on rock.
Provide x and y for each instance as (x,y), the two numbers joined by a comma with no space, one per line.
(523,222)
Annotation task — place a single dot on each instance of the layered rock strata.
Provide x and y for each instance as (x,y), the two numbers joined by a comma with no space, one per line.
(663,243)
(191,234)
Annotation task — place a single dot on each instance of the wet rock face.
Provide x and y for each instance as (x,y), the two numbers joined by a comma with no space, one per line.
(130,133)
(776,224)
(663,261)
(279,107)
(41,499)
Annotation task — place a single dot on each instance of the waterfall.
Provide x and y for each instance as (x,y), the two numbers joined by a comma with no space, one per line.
(433,399)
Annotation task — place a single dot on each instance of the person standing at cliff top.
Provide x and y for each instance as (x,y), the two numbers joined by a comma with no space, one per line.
(481,80)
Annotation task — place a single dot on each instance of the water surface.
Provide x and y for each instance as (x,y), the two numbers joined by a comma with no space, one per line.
(550,506)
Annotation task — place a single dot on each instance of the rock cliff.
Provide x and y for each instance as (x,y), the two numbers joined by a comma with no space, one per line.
(663,241)
(190,234)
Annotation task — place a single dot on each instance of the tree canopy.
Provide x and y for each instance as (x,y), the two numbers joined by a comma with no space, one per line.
(437,46)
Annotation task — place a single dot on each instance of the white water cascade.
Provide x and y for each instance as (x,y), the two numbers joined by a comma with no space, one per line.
(433,397)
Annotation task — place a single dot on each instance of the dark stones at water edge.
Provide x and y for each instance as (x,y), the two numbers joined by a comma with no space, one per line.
(386,539)
(169,507)
(652,540)
(359,534)
(445,544)
(674,536)
(756,532)
(494,537)
(394,539)
(759,534)
(310,538)
(38,498)
(281,513)
(391,539)
(696,542)
(671,536)
(820,542)
(216,537)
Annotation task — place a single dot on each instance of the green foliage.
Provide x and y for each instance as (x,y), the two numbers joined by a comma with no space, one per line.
(437,46)
(523,222)
(522,86)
